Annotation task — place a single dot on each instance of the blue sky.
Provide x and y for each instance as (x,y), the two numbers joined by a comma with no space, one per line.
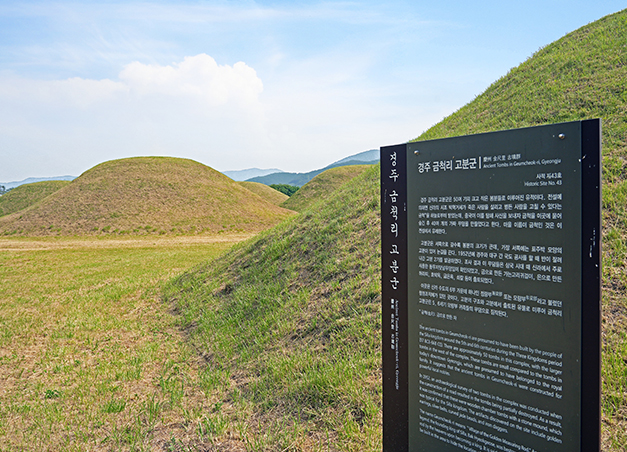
(237,84)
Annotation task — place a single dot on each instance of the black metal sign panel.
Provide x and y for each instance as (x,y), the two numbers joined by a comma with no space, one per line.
(491,291)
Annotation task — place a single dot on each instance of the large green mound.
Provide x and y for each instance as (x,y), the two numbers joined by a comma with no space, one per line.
(26,195)
(581,76)
(146,195)
(289,323)
(321,186)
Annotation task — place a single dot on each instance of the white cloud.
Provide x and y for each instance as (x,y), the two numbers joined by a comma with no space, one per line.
(194,108)
(307,115)
(198,77)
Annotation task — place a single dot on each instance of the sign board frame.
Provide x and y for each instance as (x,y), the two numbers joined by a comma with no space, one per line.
(551,319)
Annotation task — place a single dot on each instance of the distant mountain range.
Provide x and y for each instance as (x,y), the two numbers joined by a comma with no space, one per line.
(32,180)
(245,174)
(299,179)
(371,156)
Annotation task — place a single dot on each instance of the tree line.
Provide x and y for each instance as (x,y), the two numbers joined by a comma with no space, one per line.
(286,189)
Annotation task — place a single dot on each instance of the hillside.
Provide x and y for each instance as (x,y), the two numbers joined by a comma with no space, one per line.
(26,195)
(289,324)
(146,195)
(583,75)
(268,193)
(321,186)
(371,157)
(316,300)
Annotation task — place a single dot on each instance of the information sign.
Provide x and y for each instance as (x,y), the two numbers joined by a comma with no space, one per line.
(491,291)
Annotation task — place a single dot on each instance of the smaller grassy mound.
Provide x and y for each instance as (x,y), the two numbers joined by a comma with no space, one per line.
(269,194)
(321,186)
(28,194)
(146,195)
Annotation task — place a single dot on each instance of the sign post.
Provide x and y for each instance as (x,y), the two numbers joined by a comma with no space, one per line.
(491,291)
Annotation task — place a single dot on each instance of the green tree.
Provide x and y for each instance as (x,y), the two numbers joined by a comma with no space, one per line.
(289,190)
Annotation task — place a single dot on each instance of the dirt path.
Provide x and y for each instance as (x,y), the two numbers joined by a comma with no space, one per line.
(52,243)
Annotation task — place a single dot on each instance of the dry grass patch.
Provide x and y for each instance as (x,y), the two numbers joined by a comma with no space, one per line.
(614,344)
(52,243)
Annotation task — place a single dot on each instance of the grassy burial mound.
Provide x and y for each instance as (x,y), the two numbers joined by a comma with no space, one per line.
(298,338)
(264,191)
(289,326)
(26,195)
(581,76)
(146,195)
(321,186)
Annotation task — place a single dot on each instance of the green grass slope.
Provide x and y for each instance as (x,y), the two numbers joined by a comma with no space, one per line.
(321,186)
(26,195)
(289,323)
(146,195)
(582,75)
(268,193)
(289,326)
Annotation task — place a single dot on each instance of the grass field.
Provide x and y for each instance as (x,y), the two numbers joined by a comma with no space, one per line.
(90,358)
